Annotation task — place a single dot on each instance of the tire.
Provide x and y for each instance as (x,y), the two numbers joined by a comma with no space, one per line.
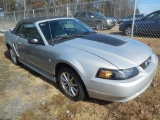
(71,84)
(13,56)
(99,26)
(128,30)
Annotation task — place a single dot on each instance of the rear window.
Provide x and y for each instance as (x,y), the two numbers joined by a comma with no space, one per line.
(80,14)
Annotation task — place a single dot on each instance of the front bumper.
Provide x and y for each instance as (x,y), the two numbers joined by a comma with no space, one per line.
(123,90)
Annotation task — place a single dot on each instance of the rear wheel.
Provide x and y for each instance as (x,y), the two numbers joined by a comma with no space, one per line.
(71,84)
(13,56)
(128,30)
(99,26)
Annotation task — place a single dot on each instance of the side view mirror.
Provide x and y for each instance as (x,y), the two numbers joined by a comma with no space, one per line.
(34,41)
(10,29)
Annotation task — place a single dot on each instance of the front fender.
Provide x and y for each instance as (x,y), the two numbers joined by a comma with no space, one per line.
(84,63)
(72,62)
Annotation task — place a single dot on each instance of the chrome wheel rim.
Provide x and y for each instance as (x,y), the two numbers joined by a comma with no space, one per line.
(69,84)
(128,31)
(13,56)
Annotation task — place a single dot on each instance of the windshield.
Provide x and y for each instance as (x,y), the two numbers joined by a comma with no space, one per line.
(155,15)
(64,28)
(98,14)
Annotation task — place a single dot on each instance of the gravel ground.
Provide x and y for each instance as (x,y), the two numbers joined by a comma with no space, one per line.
(27,95)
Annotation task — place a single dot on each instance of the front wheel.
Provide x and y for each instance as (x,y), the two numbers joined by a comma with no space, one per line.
(128,30)
(71,84)
(99,26)
(13,56)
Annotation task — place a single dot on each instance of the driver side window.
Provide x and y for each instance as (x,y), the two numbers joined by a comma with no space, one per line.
(28,31)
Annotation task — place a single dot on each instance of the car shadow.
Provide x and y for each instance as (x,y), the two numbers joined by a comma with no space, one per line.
(54,84)
(117,33)
(97,101)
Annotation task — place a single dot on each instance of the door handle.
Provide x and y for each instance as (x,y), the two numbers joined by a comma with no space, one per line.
(19,43)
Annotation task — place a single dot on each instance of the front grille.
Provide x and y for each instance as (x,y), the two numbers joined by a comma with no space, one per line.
(145,64)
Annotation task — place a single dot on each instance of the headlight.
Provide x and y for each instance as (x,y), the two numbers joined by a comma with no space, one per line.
(109,21)
(117,74)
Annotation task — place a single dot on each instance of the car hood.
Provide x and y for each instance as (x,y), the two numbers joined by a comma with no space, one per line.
(110,18)
(122,52)
(125,19)
(130,20)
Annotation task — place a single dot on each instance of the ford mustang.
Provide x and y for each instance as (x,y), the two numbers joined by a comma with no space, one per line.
(83,62)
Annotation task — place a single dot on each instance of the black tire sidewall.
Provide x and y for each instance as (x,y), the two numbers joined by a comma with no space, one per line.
(15,62)
(126,29)
(99,23)
(81,94)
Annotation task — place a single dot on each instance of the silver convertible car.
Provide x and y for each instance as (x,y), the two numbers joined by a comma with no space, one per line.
(83,62)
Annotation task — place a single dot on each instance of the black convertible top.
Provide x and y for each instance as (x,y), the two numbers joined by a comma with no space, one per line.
(33,20)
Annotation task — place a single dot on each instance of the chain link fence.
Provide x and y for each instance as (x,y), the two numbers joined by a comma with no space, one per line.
(117,12)
(109,8)
(108,16)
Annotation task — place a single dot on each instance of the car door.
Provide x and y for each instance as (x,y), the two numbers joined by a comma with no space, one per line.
(149,24)
(35,54)
(90,19)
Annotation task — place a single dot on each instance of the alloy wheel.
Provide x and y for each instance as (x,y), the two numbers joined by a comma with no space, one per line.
(69,84)
(99,26)
(128,31)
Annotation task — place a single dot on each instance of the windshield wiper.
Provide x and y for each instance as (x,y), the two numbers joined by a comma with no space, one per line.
(65,37)
(73,36)
(62,38)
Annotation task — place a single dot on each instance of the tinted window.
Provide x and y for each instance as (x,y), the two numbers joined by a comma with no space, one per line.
(80,14)
(90,14)
(98,14)
(155,15)
(139,16)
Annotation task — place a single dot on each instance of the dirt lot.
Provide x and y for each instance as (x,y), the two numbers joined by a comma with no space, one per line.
(24,94)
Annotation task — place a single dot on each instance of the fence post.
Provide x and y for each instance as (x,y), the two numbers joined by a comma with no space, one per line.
(46,11)
(135,5)
(67,11)
(15,18)
(3,22)
(24,15)
(33,13)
